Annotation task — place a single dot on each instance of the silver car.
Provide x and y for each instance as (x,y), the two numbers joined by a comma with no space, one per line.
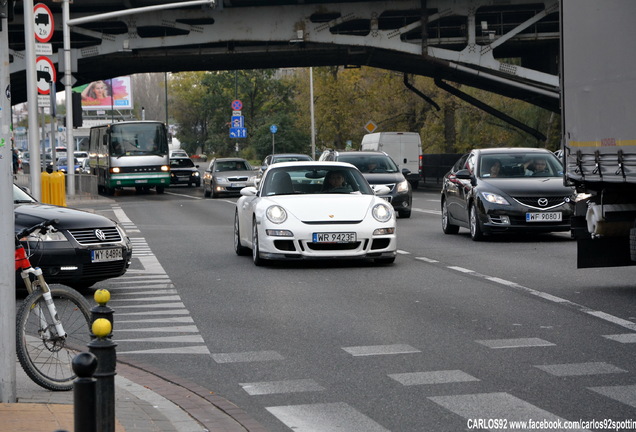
(226,176)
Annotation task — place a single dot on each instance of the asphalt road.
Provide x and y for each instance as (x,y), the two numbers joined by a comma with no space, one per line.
(456,335)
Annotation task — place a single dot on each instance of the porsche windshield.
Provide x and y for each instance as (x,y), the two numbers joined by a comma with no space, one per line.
(315,180)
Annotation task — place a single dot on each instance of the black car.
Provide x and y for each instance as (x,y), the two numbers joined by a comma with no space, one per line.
(184,171)
(379,170)
(505,190)
(282,157)
(84,248)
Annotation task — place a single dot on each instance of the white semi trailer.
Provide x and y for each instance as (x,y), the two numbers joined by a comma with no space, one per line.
(598,101)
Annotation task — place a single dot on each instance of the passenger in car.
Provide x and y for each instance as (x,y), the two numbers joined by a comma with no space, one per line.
(536,166)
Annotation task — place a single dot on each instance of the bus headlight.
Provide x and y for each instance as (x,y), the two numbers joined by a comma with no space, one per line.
(165,168)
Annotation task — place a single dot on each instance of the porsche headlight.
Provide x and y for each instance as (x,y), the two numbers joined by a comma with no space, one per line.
(276,214)
(494,198)
(403,186)
(48,236)
(382,213)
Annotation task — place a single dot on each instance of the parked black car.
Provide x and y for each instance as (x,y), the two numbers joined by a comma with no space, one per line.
(504,190)
(379,170)
(84,248)
(184,171)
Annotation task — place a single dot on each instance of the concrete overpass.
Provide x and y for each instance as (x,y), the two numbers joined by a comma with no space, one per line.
(505,46)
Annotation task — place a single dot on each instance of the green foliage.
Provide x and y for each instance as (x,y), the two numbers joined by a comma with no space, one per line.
(344,101)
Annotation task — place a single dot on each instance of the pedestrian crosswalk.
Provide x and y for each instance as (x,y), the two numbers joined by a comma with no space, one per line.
(151,318)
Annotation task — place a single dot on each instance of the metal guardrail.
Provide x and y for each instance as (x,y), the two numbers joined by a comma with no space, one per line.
(85,185)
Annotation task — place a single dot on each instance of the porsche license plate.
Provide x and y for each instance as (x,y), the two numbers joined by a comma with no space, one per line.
(332,237)
(544,217)
(104,255)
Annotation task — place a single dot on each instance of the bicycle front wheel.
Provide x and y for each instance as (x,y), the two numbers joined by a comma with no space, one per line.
(46,357)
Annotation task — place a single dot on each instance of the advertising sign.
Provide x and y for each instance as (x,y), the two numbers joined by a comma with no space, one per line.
(108,94)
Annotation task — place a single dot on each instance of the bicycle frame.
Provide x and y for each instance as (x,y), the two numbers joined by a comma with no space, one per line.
(23,264)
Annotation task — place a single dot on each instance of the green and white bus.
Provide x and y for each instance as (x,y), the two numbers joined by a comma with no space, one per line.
(130,154)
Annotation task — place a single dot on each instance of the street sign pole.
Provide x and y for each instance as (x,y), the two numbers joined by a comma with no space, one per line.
(7,271)
(68,93)
(32,99)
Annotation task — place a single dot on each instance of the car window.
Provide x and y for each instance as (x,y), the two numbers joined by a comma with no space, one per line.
(461,163)
(20,196)
(231,166)
(181,163)
(370,163)
(311,180)
(520,165)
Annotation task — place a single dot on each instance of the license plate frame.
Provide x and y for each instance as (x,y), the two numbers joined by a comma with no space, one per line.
(334,237)
(107,255)
(533,217)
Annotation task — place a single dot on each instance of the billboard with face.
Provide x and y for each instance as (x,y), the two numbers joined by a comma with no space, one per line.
(107,94)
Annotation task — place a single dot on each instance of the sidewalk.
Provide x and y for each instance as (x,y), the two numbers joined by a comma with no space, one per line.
(146,400)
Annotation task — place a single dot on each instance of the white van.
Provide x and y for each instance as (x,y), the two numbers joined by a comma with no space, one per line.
(405,148)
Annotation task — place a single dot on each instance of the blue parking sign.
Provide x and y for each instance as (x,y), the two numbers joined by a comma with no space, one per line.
(238,121)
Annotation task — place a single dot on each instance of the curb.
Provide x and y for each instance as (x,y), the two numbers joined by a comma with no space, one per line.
(192,398)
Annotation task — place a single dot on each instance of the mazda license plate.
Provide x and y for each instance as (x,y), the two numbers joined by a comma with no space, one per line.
(333,237)
(104,255)
(544,217)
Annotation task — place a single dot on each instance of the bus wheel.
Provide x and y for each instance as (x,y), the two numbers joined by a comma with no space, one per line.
(160,189)
(139,189)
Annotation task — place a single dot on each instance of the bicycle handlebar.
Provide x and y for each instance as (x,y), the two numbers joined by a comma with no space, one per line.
(25,232)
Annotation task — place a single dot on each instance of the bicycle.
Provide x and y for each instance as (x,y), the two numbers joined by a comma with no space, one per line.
(52,323)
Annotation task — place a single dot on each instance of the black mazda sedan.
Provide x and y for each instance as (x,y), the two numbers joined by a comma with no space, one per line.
(506,190)
(84,248)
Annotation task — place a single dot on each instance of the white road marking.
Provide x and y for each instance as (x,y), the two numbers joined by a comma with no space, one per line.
(432,377)
(380,350)
(624,394)
(243,357)
(172,329)
(328,417)
(515,343)
(494,406)
(622,338)
(182,195)
(196,349)
(278,387)
(580,369)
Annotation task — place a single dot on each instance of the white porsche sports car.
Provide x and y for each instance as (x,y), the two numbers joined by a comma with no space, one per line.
(314,210)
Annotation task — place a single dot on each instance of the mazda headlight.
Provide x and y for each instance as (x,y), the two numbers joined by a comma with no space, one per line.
(382,213)
(50,235)
(494,198)
(276,214)
(403,186)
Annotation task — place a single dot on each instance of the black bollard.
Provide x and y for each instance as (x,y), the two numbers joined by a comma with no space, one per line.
(104,349)
(84,395)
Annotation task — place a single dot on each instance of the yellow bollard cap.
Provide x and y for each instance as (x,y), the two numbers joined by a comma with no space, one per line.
(102,296)
(102,327)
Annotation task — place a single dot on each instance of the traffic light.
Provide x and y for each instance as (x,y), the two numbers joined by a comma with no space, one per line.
(77,109)
(76,100)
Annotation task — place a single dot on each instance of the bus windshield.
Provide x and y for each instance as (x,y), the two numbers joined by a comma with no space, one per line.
(138,140)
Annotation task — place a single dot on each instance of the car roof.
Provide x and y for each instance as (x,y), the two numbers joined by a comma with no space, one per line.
(512,150)
(231,159)
(290,155)
(312,163)
(364,153)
